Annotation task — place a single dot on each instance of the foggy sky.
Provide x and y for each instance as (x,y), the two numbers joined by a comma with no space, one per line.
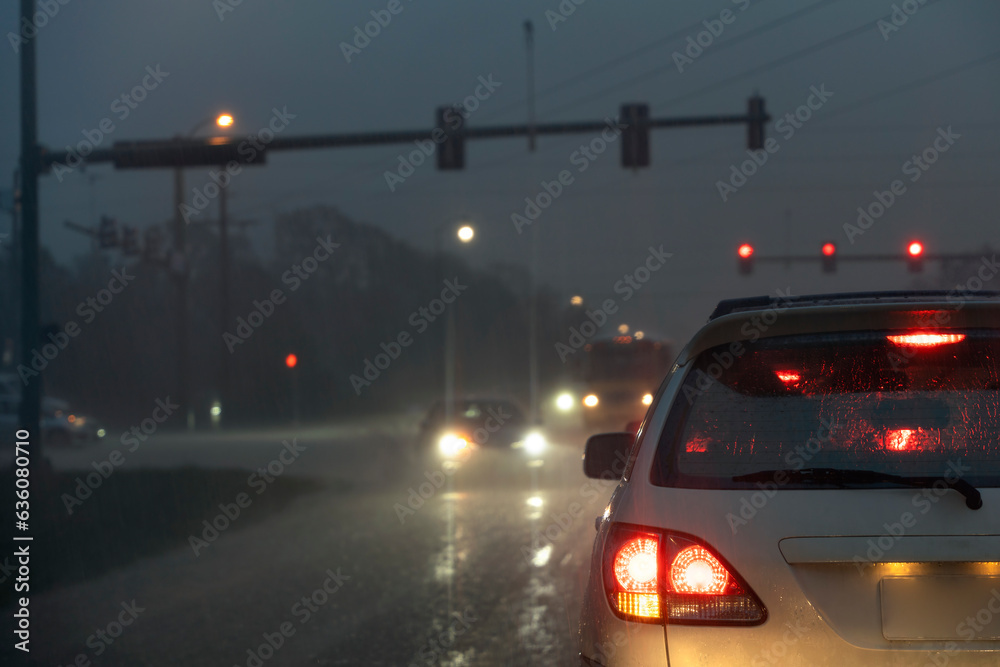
(263,56)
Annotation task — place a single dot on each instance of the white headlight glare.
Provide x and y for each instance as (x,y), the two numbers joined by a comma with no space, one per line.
(534,443)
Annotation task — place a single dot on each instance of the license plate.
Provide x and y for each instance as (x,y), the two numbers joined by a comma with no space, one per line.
(941,608)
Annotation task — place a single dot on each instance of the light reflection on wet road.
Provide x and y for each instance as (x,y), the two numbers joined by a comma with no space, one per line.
(487,570)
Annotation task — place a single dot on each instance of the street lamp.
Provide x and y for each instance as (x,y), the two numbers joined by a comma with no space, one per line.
(179,265)
(465,233)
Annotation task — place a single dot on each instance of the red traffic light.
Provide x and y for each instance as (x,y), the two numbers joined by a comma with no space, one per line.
(745,251)
(829,249)
(291,360)
(915,249)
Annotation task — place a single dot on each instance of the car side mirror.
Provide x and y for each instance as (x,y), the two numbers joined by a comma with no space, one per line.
(605,455)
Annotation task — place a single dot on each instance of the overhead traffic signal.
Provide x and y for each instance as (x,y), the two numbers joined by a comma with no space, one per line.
(829,252)
(291,361)
(745,253)
(635,135)
(755,125)
(107,233)
(915,256)
(451,144)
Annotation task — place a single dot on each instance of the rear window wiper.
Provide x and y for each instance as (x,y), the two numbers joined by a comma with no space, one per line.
(845,476)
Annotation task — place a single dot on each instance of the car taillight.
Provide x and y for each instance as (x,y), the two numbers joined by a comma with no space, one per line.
(654,576)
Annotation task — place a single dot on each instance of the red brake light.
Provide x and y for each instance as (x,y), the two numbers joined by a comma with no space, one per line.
(635,568)
(696,570)
(926,339)
(654,576)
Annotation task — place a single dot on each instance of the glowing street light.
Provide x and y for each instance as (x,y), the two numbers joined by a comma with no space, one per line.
(576,301)
(224,120)
(466,233)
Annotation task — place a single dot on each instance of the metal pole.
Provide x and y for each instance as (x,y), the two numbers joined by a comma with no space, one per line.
(180,252)
(533,330)
(529,36)
(29,411)
(224,298)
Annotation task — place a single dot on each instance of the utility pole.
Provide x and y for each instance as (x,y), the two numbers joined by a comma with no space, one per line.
(529,36)
(224,298)
(29,411)
(181,277)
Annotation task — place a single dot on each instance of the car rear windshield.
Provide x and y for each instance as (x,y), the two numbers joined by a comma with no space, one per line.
(918,406)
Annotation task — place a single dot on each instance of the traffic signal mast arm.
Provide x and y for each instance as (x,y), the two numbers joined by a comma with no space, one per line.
(213,152)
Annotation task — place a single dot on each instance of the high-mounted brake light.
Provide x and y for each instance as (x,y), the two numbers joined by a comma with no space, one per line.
(653,576)
(926,339)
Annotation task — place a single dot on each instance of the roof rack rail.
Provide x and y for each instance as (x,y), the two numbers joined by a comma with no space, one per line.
(727,306)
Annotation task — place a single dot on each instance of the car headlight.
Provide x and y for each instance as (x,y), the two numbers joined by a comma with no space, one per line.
(451,445)
(534,443)
(590,400)
(564,402)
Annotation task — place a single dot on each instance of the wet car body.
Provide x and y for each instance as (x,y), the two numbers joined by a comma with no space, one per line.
(728,543)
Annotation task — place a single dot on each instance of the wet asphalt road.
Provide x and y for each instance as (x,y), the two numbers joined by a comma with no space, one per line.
(389,558)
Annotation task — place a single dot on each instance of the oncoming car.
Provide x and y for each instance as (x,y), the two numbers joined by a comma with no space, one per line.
(820,490)
(479,422)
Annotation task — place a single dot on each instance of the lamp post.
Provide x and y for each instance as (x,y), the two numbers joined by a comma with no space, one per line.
(178,264)
(465,233)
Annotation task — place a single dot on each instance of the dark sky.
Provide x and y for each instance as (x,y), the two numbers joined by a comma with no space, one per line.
(888,102)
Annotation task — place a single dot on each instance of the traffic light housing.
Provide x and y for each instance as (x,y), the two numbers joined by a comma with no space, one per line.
(107,233)
(828,252)
(745,254)
(130,240)
(915,256)
(635,135)
(756,118)
(451,150)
